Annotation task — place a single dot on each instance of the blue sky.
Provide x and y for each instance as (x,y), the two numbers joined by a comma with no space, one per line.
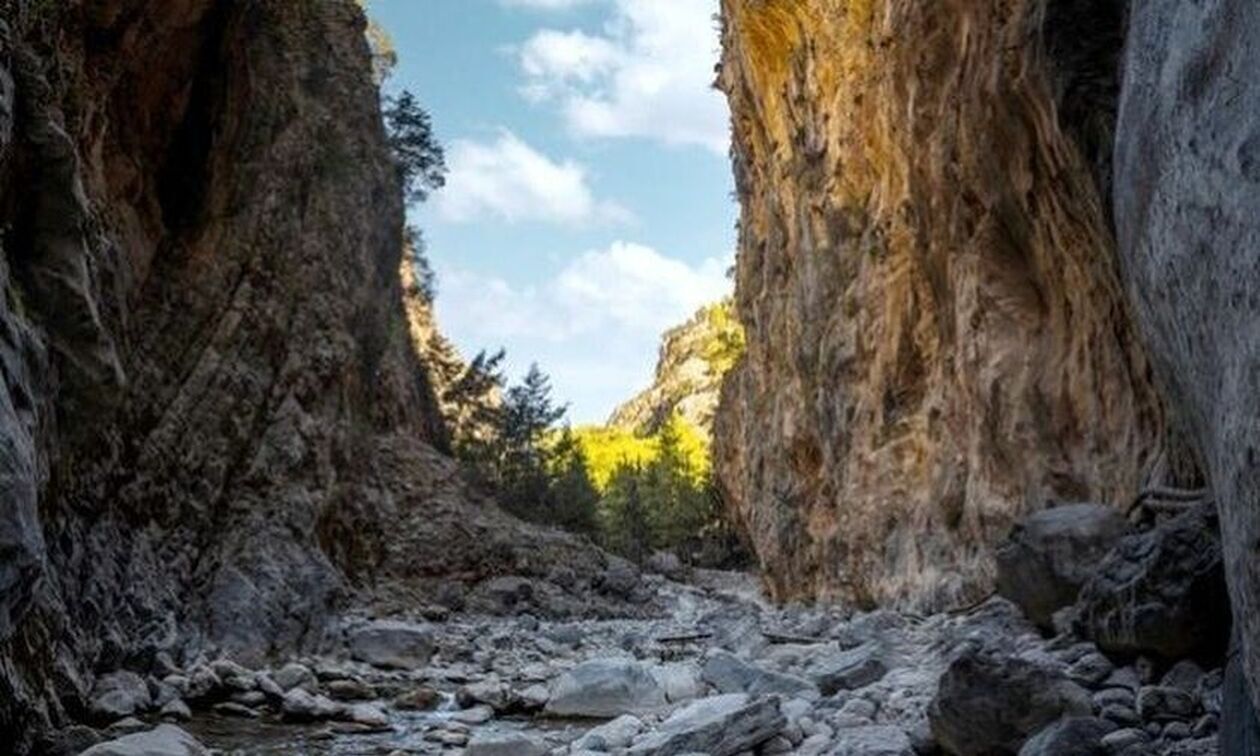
(588,205)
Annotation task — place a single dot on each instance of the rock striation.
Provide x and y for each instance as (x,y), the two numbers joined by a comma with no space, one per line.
(937,339)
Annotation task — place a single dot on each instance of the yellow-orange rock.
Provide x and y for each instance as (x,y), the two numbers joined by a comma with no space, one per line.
(937,341)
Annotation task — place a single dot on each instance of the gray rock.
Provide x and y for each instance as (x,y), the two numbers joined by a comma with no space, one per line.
(163,740)
(392,644)
(176,710)
(1050,555)
(990,702)
(294,675)
(1161,592)
(606,688)
(718,725)
(493,693)
(1157,703)
(1121,740)
(474,715)
(234,709)
(610,736)
(1075,736)
(668,564)
(1091,670)
(505,744)
(119,694)
(875,740)
(1185,675)
(300,706)
(730,674)
(849,670)
(681,681)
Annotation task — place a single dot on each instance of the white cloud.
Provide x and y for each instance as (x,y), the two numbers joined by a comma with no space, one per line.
(628,288)
(511,181)
(594,327)
(648,74)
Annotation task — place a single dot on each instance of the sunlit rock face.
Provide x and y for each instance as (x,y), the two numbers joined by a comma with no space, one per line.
(937,338)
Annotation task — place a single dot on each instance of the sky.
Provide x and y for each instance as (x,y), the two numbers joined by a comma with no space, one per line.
(589,201)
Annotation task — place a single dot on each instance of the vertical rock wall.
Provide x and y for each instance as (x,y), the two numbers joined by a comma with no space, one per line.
(1187,197)
(937,339)
(212,421)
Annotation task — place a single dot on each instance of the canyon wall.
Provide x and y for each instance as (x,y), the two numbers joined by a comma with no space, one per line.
(212,423)
(1187,198)
(937,337)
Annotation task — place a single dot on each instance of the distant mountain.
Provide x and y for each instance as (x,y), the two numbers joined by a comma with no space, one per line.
(693,359)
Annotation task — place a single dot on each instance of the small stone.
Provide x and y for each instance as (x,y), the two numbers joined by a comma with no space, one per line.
(294,675)
(350,690)
(423,698)
(1158,703)
(476,715)
(1091,669)
(1122,715)
(118,695)
(1177,730)
(176,710)
(611,736)
(1184,675)
(233,709)
(391,644)
(1121,739)
(505,744)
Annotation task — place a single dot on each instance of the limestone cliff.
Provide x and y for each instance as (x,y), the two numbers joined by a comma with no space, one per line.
(1187,197)
(211,419)
(694,358)
(937,338)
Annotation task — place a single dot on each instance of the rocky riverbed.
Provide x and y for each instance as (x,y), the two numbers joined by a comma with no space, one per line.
(714,669)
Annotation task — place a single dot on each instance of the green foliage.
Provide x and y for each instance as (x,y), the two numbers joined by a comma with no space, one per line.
(611,448)
(420,159)
(727,344)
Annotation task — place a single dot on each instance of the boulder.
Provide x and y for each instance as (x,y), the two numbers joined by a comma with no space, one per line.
(606,688)
(1075,736)
(730,674)
(610,736)
(392,644)
(873,740)
(294,675)
(505,744)
(718,726)
(163,740)
(119,694)
(1050,554)
(849,670)
(990,702)
(1161,592)
(1159,703)
(300,706)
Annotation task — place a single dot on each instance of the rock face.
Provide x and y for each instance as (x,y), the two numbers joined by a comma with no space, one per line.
(211,419)
(1187,206)
(937,342)
(694,358)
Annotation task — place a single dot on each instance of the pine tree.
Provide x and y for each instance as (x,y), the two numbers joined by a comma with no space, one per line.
(418,155)
(573,499)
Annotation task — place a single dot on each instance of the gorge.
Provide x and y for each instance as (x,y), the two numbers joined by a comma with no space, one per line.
(988,426)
